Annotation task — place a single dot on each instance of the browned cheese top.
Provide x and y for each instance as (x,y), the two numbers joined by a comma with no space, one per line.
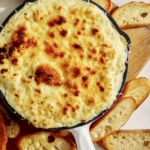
(61,62)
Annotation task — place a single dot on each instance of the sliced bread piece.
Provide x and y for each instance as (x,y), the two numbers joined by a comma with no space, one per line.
(3,133)
(12,125)
(45,140)
(128,140)
(133,14)
(138,88)
(115,118)
(106,4)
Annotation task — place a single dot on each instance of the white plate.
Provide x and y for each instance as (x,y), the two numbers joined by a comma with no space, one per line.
(140,118)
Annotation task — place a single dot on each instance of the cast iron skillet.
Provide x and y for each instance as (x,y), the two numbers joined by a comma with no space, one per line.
(81,130)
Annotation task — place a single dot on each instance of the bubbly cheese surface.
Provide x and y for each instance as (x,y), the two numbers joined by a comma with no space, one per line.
(61,62)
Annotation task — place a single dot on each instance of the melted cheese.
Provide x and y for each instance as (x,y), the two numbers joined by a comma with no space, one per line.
(61,62)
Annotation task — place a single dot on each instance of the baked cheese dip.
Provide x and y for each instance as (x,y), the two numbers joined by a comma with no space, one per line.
(61,62)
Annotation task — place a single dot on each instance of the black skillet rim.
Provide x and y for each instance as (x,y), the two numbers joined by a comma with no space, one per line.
(124,76)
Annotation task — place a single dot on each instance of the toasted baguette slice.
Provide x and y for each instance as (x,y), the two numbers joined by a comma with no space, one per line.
(106,4)
(115,118)
(138,88)
(45,140)
(128,140)
(3,133)
(12,126)
(133,14)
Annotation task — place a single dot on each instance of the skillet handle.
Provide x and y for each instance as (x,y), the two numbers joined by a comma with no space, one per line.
(82,137)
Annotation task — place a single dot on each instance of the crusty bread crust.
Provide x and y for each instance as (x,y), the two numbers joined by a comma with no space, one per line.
(46,140)
(128,140)
(138,88)
(106,4)
(115,118)
(133,14)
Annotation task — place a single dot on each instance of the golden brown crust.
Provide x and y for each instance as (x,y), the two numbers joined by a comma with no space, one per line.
(106,4)
(138,88)
(115,118)
(127,139)
(46,139)
(130,85)
(132,15)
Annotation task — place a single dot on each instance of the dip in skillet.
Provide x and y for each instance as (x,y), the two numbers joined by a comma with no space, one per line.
(61,62)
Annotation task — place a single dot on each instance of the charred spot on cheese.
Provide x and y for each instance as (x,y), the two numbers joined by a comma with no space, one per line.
(102,61)
(76,22)
(20,40)
(90,56)
(85,81)
(4,70)
(84,78)
(63,33)
(38,91)
(31,42)
(79,32)
(38,15)
(72,87)
(10,52)
(51,34)
(59,8)
(47,75)
(30,77)
(75,71)
(77,46)
(18,37)
(73,11)
(65,95)
(2,50)
(53,51)
(2,55)
(14,61)
(101,88)
(94,31)
(65,109)
(93,51)
(103,53)
(70,107)
(91,101)
(83,121)
(65,65)
(17,95)
(59,20)
(91,71)
(76,93)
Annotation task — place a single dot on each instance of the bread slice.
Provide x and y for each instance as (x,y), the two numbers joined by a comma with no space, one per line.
(12,125)
(115,118)
(128,140)
(138,88)
(3,133)
(133,14)
(106,4)
(45,140)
